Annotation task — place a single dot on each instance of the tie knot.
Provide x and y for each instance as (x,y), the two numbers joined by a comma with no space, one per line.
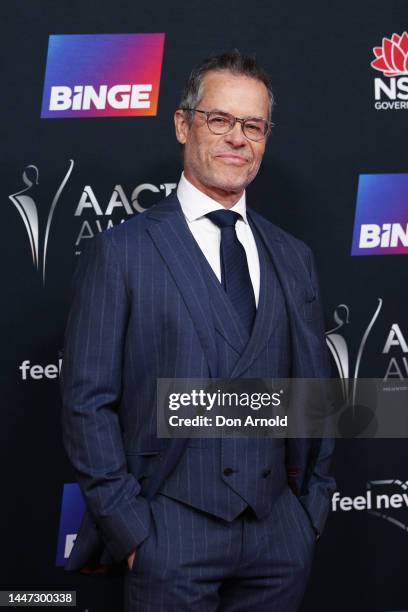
(223,218)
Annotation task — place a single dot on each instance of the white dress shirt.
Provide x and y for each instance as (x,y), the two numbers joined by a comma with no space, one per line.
(195,205)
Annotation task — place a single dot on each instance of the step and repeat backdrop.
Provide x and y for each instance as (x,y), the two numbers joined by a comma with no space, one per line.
(89,92)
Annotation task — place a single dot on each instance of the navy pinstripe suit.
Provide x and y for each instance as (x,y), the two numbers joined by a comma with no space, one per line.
(147,305)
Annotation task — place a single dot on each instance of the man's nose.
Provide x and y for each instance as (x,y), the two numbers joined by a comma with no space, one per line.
(236,136)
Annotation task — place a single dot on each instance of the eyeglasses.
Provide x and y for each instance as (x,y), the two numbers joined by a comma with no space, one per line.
(219,123)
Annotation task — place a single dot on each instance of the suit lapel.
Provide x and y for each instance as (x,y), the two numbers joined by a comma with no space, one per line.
(287,264)
(168,230)
(284,263)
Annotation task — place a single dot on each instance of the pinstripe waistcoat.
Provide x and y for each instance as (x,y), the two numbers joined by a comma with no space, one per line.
(223,476)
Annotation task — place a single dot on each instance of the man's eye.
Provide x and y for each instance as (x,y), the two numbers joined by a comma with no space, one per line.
(218,120)
(254,128)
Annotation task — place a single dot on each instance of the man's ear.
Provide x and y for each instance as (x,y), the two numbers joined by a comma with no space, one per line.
(181,125)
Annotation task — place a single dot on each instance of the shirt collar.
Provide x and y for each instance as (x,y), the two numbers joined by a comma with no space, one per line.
(196,204)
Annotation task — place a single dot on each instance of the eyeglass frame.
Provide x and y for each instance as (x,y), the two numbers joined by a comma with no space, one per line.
(240,120)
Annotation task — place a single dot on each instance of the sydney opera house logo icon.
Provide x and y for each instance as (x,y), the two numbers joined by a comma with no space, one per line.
(392,56)
(25,202)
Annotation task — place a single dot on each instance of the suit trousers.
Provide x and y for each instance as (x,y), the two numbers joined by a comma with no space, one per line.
(192,560)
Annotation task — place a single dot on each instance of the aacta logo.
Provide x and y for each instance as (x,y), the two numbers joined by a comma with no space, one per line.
(381,221)
(392,61)
(27,204)
(102,75)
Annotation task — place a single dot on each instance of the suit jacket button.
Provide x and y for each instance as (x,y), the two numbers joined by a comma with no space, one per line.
(228,471)
(266,473)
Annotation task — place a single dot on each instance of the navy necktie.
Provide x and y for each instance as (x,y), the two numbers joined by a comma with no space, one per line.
(235,276)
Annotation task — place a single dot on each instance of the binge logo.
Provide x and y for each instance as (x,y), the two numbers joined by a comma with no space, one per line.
(381,221)
(102,75)
(73,508)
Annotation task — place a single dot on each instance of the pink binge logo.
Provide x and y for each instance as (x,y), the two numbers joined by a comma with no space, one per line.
(102,75)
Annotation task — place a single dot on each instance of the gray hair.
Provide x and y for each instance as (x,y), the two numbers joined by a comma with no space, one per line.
(232,61)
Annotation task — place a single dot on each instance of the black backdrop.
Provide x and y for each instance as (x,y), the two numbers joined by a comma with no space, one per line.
(327,133)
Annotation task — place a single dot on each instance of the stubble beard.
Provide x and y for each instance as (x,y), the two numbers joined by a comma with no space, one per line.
(215,181)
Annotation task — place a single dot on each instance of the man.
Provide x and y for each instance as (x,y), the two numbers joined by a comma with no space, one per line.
(198,286)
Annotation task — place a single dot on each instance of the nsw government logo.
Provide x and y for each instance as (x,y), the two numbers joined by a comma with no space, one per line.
(381,220)
(102,75)
(391,93)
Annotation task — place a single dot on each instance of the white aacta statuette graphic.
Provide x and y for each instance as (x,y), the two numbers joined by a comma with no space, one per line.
(27,208)
(339,350)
